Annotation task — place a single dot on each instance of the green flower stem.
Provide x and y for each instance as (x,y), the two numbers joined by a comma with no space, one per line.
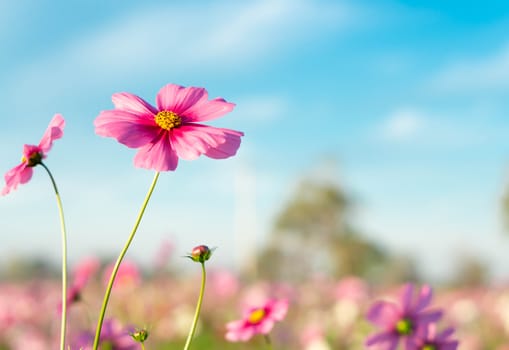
(119,260)
(198,307)
(268,341)
(142,346)
(64,260)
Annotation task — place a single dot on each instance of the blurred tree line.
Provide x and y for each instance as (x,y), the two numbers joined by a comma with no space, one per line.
(313,235)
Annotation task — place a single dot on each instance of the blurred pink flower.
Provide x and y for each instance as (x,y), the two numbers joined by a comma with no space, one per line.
(33,155)
(257,320)
(171,130)
(82,273)
(401,320)
(352,288)
(428,338)
(113,336)
(128,274)
(223,284)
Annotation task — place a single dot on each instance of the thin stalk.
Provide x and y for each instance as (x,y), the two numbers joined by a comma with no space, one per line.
(119,260)
(268,341)
(63,324)
(198,307)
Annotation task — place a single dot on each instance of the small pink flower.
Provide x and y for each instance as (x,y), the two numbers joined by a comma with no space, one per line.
(257,320)
(33,155)
(171,130)
(403,320)
(128,274)
(82,273)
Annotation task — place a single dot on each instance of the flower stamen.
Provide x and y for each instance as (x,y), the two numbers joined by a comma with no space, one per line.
(256,316)
(404,327)
(168,120)
(33,159)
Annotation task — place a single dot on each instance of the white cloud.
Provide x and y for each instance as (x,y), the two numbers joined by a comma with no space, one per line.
(403,124)
(474,75)
(218,38)
(262,108)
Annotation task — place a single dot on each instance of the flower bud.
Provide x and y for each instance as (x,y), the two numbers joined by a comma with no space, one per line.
(139,335)
(200,253)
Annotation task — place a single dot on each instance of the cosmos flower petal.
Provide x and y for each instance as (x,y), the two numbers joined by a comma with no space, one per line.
(127,128)
(387,338)
(430,316)
(446,333)
(383,314)
(279,308)
(407,294)
(133,104)
(20,174)
(266,326)
(158,155)
(179,99)
(54,131)
(208,110)
(192,140)
(424,299)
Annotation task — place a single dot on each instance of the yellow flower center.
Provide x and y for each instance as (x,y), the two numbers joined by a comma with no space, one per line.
(428,347)
(404,327)
(168,120)
(33,159)
(256,316)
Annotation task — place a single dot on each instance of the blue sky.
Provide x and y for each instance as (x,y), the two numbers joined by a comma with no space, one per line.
(410,98)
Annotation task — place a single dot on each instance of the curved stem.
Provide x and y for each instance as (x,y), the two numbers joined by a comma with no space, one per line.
(119,260)
(198,307)
(268,341)
(63,324)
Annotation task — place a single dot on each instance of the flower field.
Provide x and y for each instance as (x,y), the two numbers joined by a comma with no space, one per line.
(322,313)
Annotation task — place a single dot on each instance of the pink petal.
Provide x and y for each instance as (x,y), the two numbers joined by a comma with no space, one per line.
(129,129)
(424,298)
(384,314)
(133,104)
(158,155)
(54,131)
(406,296)
(265,326)
(178,99)
(389,339)
(192,140)
(208,110)
(429,316)
(20,174)
(279,309)
(446,333)
(239,331)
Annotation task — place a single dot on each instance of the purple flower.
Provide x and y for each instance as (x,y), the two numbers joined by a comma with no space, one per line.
(403,320)
(428,339)
(113,336)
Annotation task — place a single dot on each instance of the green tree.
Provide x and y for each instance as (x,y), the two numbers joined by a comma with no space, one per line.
(312,235)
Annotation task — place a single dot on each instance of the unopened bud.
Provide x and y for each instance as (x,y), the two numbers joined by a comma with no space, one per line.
(140,335)
(200,253)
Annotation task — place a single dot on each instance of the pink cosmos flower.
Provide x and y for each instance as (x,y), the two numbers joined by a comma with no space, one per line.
(171,130)
(82,273)
(33,155)
(403,320)
(128,274)
(428,338)
(257,320)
